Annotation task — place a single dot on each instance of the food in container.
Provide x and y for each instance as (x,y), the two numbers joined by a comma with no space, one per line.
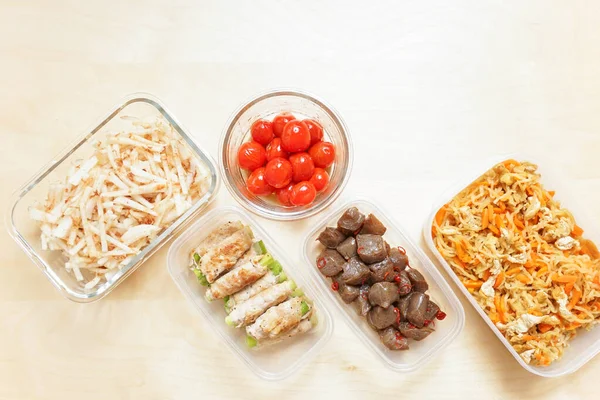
(287,157)
(135,109)
(523,258)
(378,282)
(264,164)
(111,205)
(257,294)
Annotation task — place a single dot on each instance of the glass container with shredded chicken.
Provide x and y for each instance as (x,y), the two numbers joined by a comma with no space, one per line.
(524,258)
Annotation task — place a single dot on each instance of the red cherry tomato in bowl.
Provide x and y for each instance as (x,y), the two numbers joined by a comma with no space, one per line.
(320,179)
(315,129)
(275,150)
(262,131)
(283,194)
(303,193)
(278,172)
(295,137)
(257,184)
(323,154)
(252,155)
(280,121)
(303,167)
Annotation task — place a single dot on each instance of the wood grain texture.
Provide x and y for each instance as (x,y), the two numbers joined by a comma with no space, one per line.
(430,90)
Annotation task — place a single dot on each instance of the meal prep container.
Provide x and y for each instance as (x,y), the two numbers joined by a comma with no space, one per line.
(270,363)
(267,105)
(587,343)
(26,232)
(439,291)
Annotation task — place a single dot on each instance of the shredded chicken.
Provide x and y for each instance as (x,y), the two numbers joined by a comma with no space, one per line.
(549,283)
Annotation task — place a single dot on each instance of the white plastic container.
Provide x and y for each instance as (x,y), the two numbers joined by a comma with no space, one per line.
(439,291)
(587,343)
(270,363)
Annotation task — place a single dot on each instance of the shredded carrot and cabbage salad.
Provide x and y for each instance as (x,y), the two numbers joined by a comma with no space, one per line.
(524,259)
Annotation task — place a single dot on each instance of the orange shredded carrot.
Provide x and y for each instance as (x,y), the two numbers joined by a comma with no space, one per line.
(499,279)
(542,270)
(461,253)
(497,210)
(459,262)
(511,163)
(519,223)
(490,209)
(433,232)
(439,216)
(502,206)
(534,311)
(529,191)
(577,231)
(543,328)
(494,317)
(499,222)
(513,271)
(564,278)
(528,338)
(523,278)
(494,230)
(597,280)
(486,275)
(574,298)
(568,287)
(485,219)
(473,284)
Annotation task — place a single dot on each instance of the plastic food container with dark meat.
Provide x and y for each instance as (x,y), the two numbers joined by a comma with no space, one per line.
(377,279)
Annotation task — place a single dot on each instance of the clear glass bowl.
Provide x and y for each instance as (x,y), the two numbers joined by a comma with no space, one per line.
(267,105)
(26,232)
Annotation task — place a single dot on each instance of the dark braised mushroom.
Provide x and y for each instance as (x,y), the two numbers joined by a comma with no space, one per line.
(403,303)
(373,225)
(393,340)
(382,271)
(432,311)
(347,248)
(351,221)
(398,258)
(331,238)
(417,308)
(412,332)
(355,272)
(381,318)
(383,294)
(419,284)
(404,284)
(330,262)
(348,293)
(362,301)
(371,248)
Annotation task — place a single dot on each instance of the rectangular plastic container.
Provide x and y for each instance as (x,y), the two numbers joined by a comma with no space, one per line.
(439,291)
(26,232)
(587,343)
(270,363)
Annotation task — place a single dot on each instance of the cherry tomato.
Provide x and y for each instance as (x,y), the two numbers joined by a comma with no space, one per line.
(278,172)
(252,155)
(303,193)
(279,122)
(320,179)
(274,150)
(315,129)
(262,131)
(323,154)
(302,166)
(295,136)
(257,184)
(283,194)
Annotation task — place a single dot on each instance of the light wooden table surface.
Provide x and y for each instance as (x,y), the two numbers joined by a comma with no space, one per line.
(430,90)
